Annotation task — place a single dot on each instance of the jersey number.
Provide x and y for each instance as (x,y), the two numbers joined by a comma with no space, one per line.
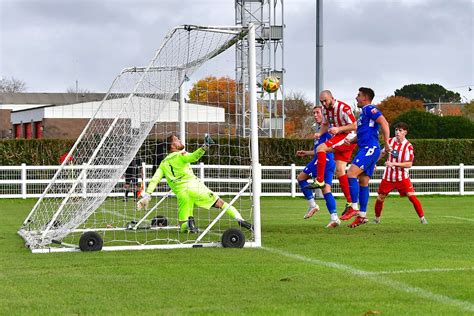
(171,168)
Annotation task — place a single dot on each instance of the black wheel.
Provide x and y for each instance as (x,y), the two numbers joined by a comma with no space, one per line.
(159,221)
(233,238)
(90,241)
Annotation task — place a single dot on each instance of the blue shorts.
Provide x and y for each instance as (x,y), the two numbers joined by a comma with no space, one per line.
(366,159)
(310,169)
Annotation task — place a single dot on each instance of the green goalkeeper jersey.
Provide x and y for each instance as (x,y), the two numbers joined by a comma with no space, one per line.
(177,170)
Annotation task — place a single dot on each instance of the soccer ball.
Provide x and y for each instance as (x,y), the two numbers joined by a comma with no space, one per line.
(271,84)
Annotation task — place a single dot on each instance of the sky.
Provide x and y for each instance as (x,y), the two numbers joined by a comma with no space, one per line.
(382,44)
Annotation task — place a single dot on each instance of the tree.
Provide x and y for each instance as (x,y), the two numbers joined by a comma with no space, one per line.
(428,93)
(298,115)
(468,110)
(420,124)
(12,85)
(219,92)
(393,106)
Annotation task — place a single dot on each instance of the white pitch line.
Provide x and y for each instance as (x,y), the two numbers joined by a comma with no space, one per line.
(422,270)
(461,218)
(379,279)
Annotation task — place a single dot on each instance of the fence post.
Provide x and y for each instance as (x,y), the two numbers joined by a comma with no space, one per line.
(461,179)
(293,180)
(23,180)
(201,171)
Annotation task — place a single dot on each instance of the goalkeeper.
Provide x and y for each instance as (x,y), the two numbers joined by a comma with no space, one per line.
(188,188)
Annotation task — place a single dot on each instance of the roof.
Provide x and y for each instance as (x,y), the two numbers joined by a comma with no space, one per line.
(41,98)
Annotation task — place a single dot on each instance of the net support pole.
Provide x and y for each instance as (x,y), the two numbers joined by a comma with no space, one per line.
(256,173)
(182,121)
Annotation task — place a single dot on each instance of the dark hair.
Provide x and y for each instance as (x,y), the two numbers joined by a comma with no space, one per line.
(401,125)
(169,140)
(368,92)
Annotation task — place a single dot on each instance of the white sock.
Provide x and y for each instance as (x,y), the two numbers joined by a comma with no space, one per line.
(363,214)
(312,203)
(355,206)
(334,217)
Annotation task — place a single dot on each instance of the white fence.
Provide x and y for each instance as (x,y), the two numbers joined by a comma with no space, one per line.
(30,181)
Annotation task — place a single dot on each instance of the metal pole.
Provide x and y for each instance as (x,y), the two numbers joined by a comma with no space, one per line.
(319,49)
(182,119)
(256,181)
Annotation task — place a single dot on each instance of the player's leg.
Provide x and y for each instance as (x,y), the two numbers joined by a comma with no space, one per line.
(185,213)
(384,189)
(302,178)
(343,182)
(330,201)
(352,174)
(321,163)
(233,213)
(407,189)
(126,188)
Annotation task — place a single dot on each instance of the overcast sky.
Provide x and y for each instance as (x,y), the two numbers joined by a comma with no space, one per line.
(383,44)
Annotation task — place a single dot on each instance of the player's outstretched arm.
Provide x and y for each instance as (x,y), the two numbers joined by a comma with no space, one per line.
(198,153)
(385,132)
(146,197)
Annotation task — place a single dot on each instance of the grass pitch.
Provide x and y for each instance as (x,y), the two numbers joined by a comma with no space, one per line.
(395,268)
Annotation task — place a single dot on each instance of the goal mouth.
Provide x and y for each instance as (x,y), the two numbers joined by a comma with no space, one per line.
(186,90)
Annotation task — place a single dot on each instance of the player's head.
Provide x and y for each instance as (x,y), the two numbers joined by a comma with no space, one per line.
(318,114)
(365,96)
(173,143)
(326,99)
(401,130)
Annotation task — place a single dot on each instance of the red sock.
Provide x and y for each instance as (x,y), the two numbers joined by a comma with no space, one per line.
(378,208)
(321,165)
(344,184)
(417,205)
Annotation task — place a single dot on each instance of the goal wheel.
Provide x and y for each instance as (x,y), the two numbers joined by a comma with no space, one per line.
(90,241)
(159,221)
(233,238)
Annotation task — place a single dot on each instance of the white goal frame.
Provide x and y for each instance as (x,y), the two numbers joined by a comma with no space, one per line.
(255,180)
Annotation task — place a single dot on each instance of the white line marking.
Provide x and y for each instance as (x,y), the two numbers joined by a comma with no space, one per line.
(461,218)
(422,270)
(379,279)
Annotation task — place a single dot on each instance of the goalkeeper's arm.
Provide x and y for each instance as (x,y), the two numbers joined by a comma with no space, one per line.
(198,153)
(146,197)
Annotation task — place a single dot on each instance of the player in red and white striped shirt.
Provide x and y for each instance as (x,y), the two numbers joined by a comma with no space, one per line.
(338,120)
(396,173)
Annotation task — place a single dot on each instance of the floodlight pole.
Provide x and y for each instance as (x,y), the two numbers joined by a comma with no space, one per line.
(256,174)
(319,49)
(181,118)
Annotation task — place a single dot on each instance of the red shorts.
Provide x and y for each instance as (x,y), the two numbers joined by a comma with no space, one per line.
(342,151)
(403,187)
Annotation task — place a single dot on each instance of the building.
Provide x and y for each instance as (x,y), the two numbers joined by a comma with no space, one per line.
(64,115)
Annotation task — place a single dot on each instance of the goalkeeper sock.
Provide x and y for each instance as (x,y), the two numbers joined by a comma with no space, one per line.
(354,189)
(232,211)
(416,203)
(184,227)
(321,165)
(308,194)
(330,202)
(378,208)
(344,184)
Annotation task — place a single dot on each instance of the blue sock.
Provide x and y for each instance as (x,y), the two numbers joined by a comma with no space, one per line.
(354,189)
(363,198)
(330,202)
(308,194)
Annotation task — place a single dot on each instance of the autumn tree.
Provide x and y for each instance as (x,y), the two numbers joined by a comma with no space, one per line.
(393,106)
(428,93)
(298,115)
(12,85)
(213,91)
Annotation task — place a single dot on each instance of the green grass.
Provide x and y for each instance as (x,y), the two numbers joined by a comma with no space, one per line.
(302,269)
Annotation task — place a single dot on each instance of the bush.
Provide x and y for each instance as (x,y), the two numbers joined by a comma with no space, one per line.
(421,124)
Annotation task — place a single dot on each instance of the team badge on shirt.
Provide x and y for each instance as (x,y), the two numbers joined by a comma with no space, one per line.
(374,110)
(394,153)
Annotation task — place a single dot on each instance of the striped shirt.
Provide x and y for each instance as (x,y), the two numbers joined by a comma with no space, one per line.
(402,152)
(340,115)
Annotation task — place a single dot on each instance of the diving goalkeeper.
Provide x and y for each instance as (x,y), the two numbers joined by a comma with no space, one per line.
(188,188)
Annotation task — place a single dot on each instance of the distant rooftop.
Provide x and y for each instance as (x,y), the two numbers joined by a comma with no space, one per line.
(48,98)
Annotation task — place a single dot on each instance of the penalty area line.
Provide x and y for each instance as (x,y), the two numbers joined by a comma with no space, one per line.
(461,218)
(396,285)
(422,270)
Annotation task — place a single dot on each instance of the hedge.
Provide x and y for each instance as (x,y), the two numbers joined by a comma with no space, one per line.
(273,151)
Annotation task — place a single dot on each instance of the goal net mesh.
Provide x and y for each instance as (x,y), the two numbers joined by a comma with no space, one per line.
(120,148)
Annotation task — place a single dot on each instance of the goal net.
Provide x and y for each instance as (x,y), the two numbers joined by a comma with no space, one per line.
(187,90)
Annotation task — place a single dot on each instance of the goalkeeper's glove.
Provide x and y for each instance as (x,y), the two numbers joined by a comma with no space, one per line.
(144,201)
(207,141)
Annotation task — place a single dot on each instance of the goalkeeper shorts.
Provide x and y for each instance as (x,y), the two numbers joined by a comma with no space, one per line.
(197,193)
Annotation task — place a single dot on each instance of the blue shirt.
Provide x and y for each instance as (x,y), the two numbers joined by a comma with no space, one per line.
(322,139)
(367,127)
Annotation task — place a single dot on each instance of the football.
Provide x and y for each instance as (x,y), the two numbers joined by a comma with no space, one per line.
(271,84)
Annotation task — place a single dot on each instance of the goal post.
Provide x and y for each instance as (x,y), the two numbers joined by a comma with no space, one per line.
(184,91)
